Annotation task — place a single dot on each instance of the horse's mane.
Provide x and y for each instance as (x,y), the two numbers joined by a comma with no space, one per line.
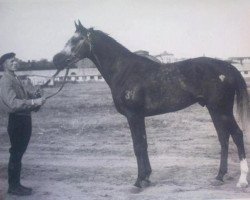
(104,37)
(107,41)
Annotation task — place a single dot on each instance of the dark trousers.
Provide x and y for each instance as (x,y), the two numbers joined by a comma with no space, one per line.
(19,130)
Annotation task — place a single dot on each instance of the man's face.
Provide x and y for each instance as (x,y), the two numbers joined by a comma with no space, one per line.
(11,64)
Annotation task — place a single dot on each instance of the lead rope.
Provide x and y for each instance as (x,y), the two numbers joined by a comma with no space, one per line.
(48,81)
(64,81)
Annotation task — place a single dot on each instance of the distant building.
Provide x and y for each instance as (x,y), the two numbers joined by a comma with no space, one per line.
(146,54)
(166,57)
(242,64)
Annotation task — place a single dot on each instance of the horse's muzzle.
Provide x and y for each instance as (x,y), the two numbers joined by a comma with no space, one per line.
(60,60)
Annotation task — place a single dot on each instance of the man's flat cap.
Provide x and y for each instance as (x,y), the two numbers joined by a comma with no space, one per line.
(6,56)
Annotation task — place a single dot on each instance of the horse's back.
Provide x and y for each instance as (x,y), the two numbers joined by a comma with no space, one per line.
(215,81)
(155,88)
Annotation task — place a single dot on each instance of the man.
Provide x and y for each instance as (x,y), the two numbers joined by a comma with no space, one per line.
(18,102)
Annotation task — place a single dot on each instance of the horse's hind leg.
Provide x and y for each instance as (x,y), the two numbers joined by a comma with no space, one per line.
(138,132)
(237,136)
(221,121)
(226,125)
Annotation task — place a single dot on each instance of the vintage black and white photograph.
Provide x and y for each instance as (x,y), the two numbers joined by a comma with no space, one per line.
(124,99)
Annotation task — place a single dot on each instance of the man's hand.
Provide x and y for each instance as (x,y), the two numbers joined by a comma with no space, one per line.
(39,92)
(39,101)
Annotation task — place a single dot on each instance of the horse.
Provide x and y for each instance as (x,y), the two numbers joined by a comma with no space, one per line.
(141,87)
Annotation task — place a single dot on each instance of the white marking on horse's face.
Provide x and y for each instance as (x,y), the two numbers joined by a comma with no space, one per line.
(243,176)
(222,77)
(67,49)
(68,46)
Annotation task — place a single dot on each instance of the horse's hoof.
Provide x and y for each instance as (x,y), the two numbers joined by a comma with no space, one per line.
(228,177)
(142,183)
(219,178)
(135,190)
(242,184)
(217,182)
(145,183)
(137,183)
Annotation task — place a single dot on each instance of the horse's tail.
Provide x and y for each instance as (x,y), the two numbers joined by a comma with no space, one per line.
(242,99)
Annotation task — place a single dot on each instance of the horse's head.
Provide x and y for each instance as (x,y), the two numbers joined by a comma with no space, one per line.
(77,48)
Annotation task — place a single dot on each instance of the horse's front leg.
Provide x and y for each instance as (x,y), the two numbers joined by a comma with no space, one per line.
(138,132)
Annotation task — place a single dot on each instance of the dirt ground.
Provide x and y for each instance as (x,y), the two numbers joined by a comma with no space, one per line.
(81,149)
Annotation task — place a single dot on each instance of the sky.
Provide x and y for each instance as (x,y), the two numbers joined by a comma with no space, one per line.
(38,29)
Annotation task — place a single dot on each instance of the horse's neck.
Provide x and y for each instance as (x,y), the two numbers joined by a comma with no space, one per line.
(107,61)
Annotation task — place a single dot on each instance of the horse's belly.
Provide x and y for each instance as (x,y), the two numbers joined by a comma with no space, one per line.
(167,104)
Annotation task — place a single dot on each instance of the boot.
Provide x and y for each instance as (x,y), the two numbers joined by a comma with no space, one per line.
(19,190)
(14,171)
(26,188)
(15,188)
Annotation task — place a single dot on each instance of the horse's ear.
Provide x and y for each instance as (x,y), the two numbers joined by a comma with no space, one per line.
(77,27)
(82,28)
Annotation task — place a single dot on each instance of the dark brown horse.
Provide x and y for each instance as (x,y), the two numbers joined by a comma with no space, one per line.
(141,87)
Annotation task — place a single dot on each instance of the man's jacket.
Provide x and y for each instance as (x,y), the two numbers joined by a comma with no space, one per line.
(14,97)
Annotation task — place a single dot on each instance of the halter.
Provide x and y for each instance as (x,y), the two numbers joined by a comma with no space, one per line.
(66,73)
(88,40)
(75,55)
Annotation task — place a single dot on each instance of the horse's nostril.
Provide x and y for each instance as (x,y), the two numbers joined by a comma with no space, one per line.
(67,60)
